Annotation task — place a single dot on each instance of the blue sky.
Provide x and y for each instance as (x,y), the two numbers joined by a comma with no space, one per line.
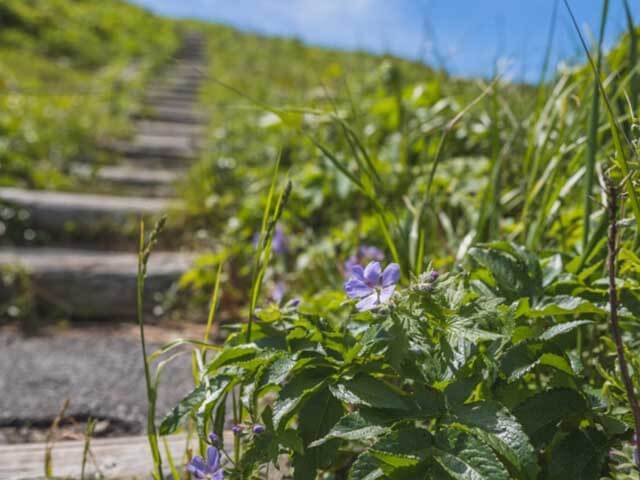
(466,36)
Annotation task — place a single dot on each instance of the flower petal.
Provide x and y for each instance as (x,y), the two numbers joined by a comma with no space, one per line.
(368,303)
(219,475)
(386,293)
(356,288)
(357,271)
(197,466)
(372,274)
(371,252)
(391,275)
(213,459)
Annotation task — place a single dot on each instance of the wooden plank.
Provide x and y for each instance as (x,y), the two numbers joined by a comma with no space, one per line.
(124,457)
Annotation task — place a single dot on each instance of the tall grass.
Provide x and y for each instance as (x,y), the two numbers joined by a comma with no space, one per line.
(144,251)
(594,121)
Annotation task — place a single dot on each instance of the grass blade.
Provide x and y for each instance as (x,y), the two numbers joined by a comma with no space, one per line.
(592,139)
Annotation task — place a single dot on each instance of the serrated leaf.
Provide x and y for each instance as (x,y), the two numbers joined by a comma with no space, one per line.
(395,460)
(295,393)
(365,468)
(556,361)
(401,452)
(540,414)
(372,392)
(231,355)
(358,426)
(316,417)
(552,360)
(464,457)
(277,372)
(561,329)
(171,421)
(516,272)
(578,456)
(495,426)
(557,305)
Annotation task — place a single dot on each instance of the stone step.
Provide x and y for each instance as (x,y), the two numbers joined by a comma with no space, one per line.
(181,83)
(176,89)
(126,178)
(162,96)
(169,129)
(79,212)
(165,93)
(176,115)
(172,148)
(168,102)
(92,284)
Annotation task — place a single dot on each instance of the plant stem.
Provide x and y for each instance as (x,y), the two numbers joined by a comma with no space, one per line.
(151,423)
(612,239)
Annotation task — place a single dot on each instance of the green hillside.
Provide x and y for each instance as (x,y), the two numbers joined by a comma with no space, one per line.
(500,341)
(70,72)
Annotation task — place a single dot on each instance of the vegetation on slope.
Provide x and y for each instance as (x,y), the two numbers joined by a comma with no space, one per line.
(502,186)
(70,73)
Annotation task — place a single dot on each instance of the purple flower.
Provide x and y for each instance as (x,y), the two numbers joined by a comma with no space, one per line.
(294,302)
(236,429)
(369,252)
(278,291)
(279,242)
(371,285)
(364,253)
(433,275)
(209,469)
(351,262)
(258,429)
(213,438)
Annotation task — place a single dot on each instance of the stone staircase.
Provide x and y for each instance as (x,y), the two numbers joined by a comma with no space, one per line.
(88,281)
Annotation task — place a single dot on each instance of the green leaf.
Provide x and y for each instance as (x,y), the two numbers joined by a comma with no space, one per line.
(316,417)
(218,388)
(360,426)
(464,457)
(171,422)
(578,456)
(557,305)
(561,329)
(540,414)
(372,392)
(365,468)
(516,272)
(402,448)
(295,393)
(556,361)
(231,355)
(541,350)
(495,426)
(277,372)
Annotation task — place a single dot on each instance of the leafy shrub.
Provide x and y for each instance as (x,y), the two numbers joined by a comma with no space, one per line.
(469,374)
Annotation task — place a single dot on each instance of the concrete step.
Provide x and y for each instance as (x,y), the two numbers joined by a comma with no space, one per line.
(78,212)
(176,89)
(91,284)
(154,96)
(183,104)
(176,115)
(174,148)
(127,178)
(168,129)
